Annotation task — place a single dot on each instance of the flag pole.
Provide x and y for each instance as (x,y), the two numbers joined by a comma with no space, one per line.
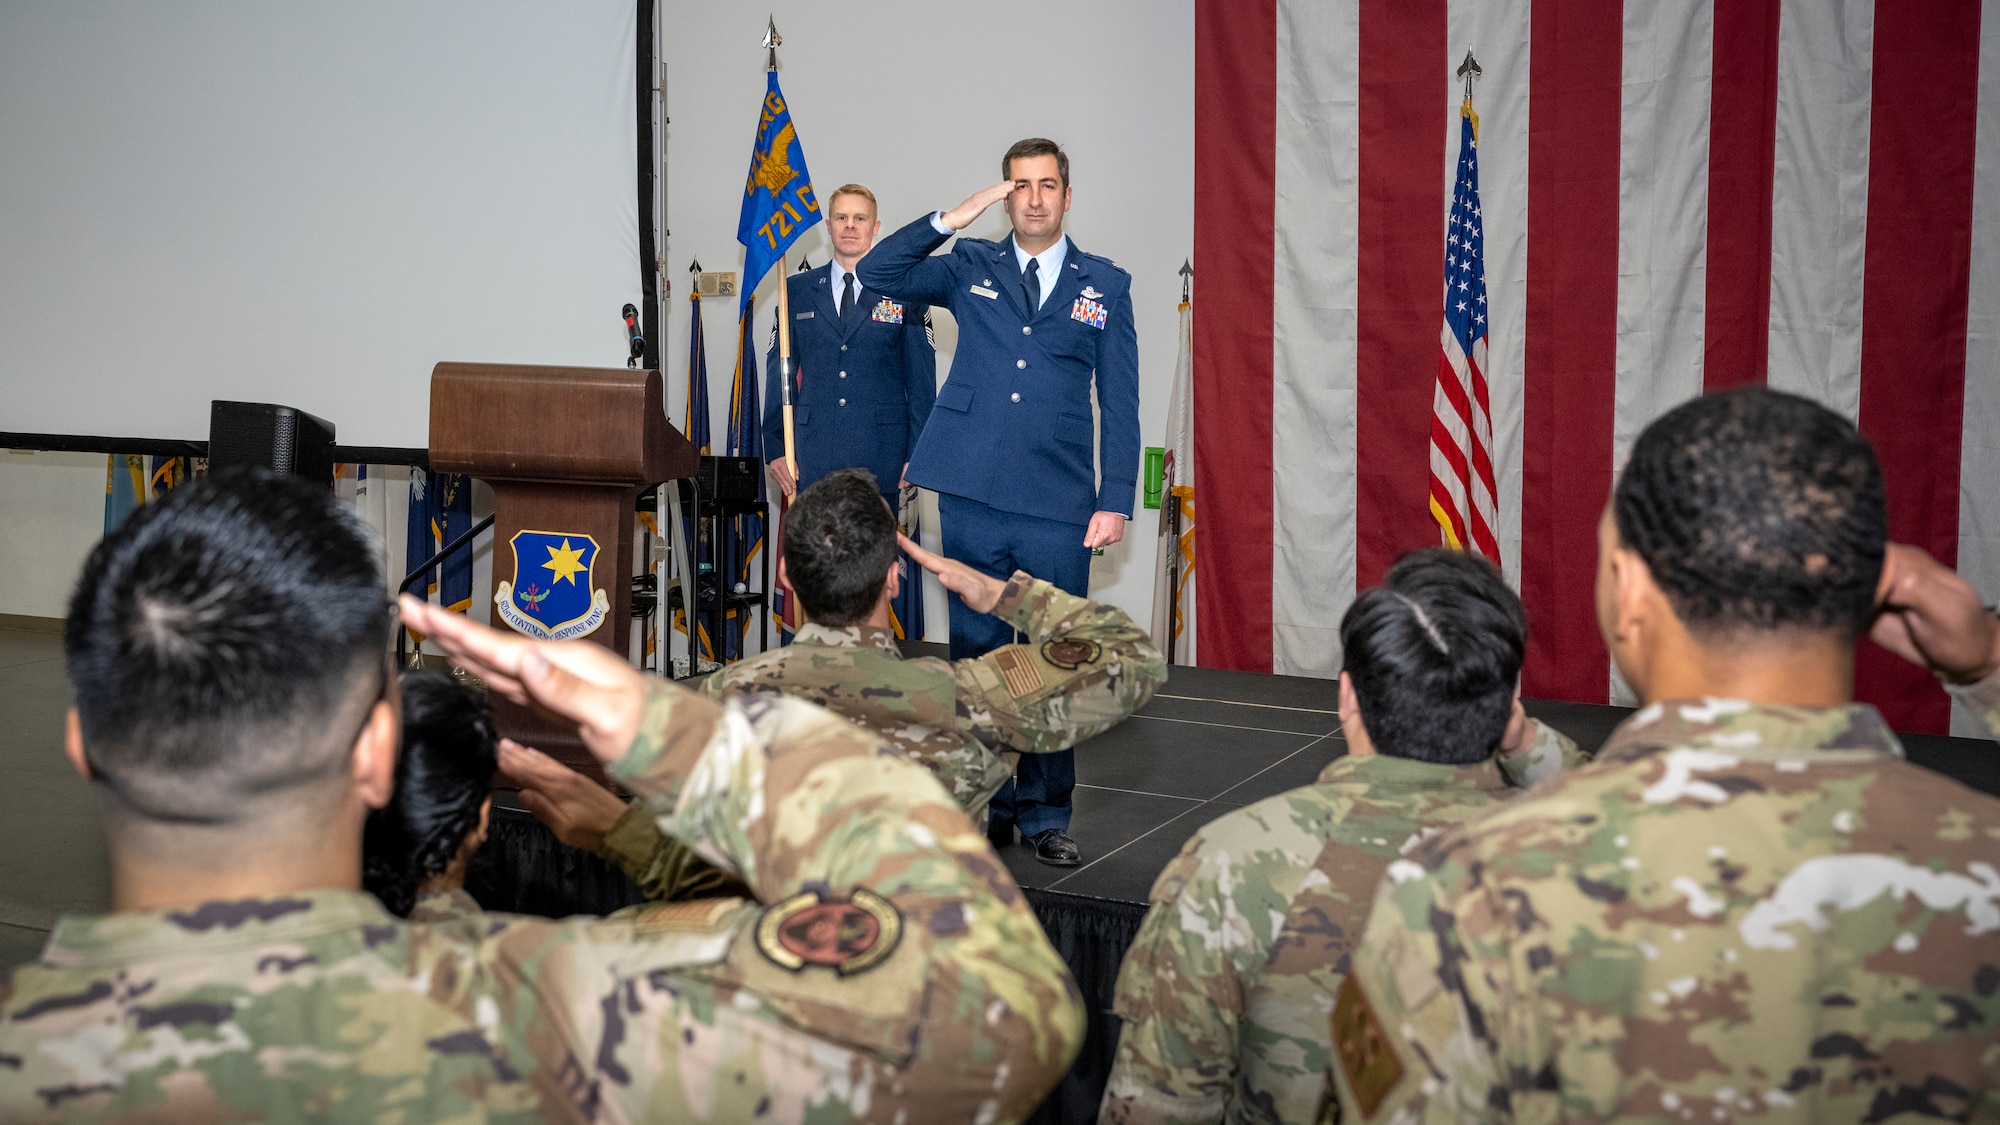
(785,375)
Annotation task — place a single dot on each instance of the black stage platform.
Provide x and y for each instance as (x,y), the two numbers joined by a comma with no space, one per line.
(1210,741)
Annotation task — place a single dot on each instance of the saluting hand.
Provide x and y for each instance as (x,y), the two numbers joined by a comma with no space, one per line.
(578,810)
(975,205)
(583,682)
(980,592)
(1929,616)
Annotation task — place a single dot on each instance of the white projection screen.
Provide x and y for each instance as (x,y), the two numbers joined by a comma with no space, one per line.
(308,204)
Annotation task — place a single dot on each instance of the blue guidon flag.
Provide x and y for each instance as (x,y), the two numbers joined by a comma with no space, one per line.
(778,201)
(550,597)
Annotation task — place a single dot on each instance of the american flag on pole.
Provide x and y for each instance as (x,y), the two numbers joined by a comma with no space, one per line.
(1675,196)
(1461,417)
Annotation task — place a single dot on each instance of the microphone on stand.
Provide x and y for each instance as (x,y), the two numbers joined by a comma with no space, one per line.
(638,339)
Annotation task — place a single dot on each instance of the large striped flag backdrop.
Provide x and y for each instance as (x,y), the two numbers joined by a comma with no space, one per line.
(1676,195)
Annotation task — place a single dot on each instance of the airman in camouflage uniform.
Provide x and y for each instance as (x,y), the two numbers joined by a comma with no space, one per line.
(325,1002)
(1744,907)
(1738,911)
(888,971)
(1085,668)
(1226,990)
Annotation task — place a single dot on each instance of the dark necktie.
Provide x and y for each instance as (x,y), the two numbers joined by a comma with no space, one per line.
(1032,285)
(847,298)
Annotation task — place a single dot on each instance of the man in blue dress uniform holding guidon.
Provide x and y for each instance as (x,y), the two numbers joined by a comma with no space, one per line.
(1009,444)
(866,368)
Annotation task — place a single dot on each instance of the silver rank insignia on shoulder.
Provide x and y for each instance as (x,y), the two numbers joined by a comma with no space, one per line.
(1091,293)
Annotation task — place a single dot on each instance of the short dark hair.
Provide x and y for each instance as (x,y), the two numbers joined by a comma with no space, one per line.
(1435,653)
(839,541)
(443,777)
(1035,146)
(224,646)
(1757,511)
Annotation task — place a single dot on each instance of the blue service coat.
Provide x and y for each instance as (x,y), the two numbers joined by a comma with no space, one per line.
(864,386)
(1012,425)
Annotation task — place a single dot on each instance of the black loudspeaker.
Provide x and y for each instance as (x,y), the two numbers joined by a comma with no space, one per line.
(284,440)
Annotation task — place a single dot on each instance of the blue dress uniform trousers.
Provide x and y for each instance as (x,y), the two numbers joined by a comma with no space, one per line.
(865,383)
(999,543)
(1009,445)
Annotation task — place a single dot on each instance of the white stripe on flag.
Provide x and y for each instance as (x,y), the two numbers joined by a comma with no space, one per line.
(1819,199)
(1497,32)
(1662,220)
(1979,456)
(1314,345)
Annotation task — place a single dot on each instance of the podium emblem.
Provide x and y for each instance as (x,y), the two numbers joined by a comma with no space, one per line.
(550,597)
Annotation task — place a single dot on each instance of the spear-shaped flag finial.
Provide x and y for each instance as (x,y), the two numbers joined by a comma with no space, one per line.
(1187,276)
(694,266)
(1469,70)
(772,41)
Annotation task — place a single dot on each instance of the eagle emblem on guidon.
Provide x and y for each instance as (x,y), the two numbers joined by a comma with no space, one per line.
(550,597)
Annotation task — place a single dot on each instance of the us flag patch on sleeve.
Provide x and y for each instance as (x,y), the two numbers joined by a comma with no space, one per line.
(1018,668)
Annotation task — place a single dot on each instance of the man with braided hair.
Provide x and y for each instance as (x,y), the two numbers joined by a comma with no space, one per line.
(1224,992)
(1749,905)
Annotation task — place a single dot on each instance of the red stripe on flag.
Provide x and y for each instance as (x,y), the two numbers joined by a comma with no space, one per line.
(1235,145)
(1571,350)
(1914,289)
(1404,74)
(1742,138)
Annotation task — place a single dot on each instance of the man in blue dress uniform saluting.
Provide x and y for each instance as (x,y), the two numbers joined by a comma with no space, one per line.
(1009,446)
(867,369)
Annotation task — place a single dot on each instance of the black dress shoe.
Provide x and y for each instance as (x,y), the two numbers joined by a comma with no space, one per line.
(1055,848)
(1000,833)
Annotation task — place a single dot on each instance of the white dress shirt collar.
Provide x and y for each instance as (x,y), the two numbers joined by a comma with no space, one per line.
(1052,263)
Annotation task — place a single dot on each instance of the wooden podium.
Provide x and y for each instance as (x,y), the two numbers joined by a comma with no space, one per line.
(567,450)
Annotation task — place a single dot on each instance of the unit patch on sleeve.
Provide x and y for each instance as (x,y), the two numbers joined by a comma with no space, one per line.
(1088,311)
(849,936)
(1018,669)
(1366,1057)
(889,312)
(1069,655)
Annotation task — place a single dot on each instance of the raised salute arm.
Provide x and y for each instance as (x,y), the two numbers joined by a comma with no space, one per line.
(1086,667)
(955,992)
(901,264)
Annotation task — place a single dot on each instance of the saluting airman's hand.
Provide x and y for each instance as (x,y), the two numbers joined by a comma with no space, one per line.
(975,205)
(1929,616)
(980,592)
(583,682)
(578,810)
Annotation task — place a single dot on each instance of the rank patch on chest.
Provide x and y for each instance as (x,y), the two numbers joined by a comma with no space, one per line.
(1088,311)
(888,312)
(1018,669)
(1069,655)
(848,935)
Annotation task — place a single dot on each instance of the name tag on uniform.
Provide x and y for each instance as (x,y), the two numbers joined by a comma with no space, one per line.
(1088,311)
(802,316)
(888,312)
(982,291)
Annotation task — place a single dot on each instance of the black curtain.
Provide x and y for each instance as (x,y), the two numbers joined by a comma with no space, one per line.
(524,869)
